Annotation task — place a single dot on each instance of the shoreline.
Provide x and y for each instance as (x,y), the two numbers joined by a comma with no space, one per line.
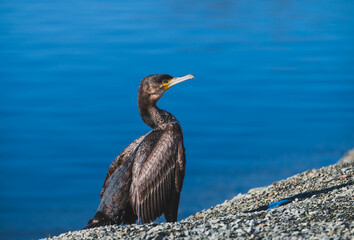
(316,204)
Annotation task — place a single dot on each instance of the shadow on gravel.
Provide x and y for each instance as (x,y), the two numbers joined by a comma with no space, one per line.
(300,197)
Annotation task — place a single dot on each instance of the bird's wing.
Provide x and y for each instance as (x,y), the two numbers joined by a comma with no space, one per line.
(154,174)
(172,207)
(122,157)
(181,166)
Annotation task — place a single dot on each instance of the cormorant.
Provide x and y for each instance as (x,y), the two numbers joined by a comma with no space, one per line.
(145,180)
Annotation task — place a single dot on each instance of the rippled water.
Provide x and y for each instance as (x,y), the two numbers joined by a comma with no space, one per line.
(274,96)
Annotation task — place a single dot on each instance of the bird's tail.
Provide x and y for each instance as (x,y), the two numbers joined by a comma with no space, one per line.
(100,219)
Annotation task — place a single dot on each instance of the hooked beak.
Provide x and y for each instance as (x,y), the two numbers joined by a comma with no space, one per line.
(177,80)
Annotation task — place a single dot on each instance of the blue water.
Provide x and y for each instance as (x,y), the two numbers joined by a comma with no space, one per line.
(274,96)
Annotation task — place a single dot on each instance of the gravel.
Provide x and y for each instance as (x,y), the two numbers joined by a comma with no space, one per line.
(316,204)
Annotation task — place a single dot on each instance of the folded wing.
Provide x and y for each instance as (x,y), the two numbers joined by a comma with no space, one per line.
(156,174)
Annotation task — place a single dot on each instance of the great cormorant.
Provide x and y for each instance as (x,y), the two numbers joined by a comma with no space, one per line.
(145,180)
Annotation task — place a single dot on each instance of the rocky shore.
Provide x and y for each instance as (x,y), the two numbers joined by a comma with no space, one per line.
(316,204)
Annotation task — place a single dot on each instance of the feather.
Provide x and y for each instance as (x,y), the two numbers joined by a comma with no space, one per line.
(148,206)
(153,205)
(154,174)
(157,203)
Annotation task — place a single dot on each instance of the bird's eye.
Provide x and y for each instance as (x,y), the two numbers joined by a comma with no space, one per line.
(165,81)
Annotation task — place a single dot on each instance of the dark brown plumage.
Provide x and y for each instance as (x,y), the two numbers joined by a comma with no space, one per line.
(145,180)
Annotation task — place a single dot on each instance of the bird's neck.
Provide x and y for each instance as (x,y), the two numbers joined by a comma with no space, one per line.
(153,116)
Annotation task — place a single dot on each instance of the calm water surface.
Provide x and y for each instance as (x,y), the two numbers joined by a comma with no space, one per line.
(274,96)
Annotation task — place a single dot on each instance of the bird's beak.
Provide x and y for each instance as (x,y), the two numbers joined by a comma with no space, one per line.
(177,80)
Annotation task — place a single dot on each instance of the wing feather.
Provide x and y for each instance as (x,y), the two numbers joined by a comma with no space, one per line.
(163,192)
(172,208)
(154,174)
(181,166)
(153,204)
(158,203)
(148,203)
(144,211)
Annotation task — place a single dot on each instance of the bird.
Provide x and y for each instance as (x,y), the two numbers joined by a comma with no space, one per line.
(145,180)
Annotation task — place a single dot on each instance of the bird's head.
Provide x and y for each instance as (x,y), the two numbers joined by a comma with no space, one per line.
(154,86)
